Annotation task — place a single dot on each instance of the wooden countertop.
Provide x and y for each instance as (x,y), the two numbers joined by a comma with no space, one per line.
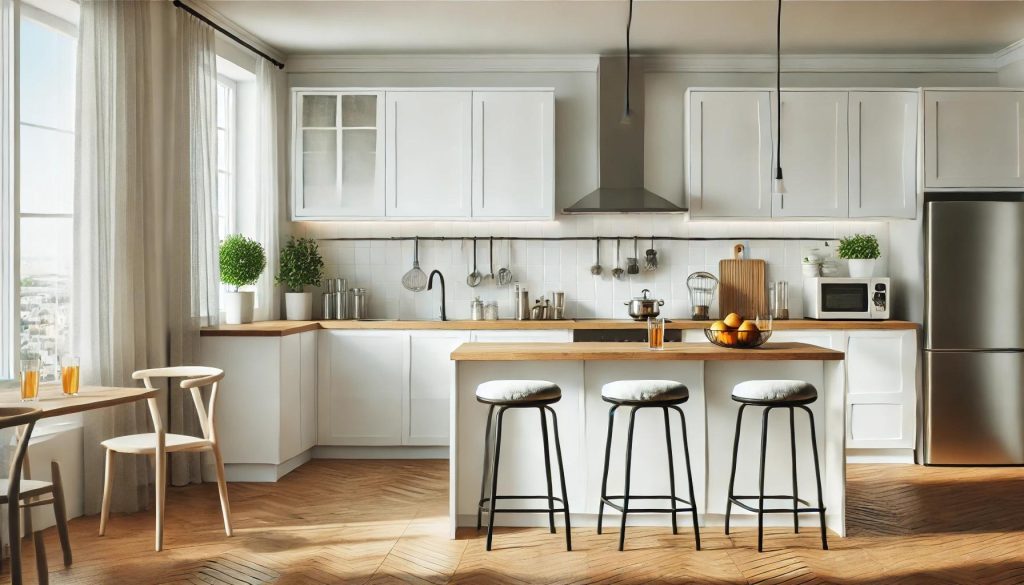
(280,328)
(598,351)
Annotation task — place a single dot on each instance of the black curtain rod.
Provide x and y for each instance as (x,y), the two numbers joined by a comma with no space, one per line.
(227,33)
(573,238)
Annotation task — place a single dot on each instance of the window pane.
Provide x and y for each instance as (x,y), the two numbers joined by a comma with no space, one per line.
(47,170)
(319,110)
(223,160)
(45,288)
(223,95)
(359,164)
(319,167)
(359,110)
(47,76)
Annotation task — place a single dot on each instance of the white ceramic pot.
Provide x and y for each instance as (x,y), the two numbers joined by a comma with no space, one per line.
(861,268)
(238,307)
(810,270)
(298,306)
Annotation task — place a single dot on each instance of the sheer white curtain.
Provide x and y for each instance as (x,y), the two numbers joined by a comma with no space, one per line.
(270,100)
(196,302)
(119,324)
(145,218)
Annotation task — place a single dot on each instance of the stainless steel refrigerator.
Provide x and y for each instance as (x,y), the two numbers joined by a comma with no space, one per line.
(974,329)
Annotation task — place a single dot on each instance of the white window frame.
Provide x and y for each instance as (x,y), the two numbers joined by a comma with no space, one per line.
(232,170)
(10,190)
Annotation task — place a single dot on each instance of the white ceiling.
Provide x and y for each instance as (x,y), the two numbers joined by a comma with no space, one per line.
(597,26)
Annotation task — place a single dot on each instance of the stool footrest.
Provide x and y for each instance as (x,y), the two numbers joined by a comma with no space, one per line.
(484,501)
(690,507)
(808,510)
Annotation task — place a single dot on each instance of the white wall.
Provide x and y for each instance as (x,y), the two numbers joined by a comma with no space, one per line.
(1012,75)
(543,267)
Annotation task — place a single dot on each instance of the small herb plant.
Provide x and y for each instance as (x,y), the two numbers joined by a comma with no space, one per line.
(859,247)
(241,261)
(301,264)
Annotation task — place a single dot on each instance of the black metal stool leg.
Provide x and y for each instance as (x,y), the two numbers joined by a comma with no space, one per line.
(547,469)
(671,470)
(689,476)
(487,465)
(494,477)
(625,492)
(561,478)
(796,496)
(607,458)
(817,477)
(760,481)
(732,473)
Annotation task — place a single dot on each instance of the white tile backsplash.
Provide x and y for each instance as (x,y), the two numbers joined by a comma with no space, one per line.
(542,267)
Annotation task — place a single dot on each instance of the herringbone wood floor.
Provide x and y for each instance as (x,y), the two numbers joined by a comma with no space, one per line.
(385,522)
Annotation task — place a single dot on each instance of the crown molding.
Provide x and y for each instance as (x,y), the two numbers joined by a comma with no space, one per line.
(212,13)
(1009,54)
(912,63)
(440,63)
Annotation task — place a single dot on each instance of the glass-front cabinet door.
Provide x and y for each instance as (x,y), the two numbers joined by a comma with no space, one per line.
(338,154)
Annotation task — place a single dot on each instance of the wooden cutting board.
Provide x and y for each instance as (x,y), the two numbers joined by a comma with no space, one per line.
(742,286)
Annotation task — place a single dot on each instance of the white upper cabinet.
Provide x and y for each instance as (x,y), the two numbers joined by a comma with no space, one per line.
(814,155)
(730,154)
(423,154)
(429,153)
(514,154)
(974,138)
(883,153)
(337,154)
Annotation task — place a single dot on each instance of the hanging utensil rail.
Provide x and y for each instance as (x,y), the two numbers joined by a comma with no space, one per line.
(577,239)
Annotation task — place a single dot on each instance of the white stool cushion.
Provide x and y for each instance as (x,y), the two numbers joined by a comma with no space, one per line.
(775,390)
(518,390)
(645,391)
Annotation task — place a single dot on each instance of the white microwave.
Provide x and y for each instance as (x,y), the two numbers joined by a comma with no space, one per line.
(847,298)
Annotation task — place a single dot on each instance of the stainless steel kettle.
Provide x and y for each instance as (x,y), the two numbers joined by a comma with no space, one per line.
(642,307)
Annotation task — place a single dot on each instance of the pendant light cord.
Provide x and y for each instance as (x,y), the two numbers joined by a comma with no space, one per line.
(778,93)
(629,25)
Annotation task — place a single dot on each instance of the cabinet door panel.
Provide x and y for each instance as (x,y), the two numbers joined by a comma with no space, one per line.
(337,154)
(883,154)
(362,400)
(881,389)
(290,396)
(730,150)
(974,139)
(429,153)
(513,154)
(307,389)
(814,155)
(431,372)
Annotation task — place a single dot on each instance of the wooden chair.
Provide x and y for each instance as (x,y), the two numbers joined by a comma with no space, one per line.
(30,495)
(17,417)
(194,378)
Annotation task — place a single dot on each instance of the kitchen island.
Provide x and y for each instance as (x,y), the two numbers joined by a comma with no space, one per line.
(709,371)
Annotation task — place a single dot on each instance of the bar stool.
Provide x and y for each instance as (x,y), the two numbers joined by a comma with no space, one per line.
(637,394)
(503,395)
(772,394)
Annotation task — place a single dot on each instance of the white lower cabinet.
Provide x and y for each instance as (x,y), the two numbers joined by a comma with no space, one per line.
(385,388)
(881,378)
(272,380)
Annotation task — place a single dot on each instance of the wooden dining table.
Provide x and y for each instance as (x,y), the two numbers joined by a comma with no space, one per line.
(53,403)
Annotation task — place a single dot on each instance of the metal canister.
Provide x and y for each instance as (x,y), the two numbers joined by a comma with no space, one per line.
(340,299)
(522,303)
(476,309)
(360,305)
(327,304)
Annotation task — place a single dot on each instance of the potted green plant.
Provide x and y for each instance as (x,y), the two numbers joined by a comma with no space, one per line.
(301,265)
(860,252)
(241,262)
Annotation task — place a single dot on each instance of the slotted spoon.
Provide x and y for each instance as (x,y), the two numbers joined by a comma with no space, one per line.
(505,273)
(474,277)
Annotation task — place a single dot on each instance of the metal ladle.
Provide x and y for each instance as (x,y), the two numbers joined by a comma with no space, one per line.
(618,272)
(596,268)
(474,277)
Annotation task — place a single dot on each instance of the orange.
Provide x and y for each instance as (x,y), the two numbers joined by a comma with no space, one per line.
(748,333)
(727,338)
(719,326)
(732,320)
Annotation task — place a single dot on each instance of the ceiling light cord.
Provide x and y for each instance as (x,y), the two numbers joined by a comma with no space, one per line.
(627,112)
(779,186)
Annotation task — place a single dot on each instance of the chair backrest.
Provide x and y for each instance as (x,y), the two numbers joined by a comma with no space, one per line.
(15,416)
(194,378)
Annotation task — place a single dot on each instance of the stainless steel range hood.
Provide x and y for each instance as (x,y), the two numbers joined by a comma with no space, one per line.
(621,147)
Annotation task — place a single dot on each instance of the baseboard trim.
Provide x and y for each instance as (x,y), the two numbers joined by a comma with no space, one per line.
(264,472)
(880,456)
(368,452)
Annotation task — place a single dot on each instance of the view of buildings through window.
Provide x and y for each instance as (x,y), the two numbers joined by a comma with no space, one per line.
(46,149)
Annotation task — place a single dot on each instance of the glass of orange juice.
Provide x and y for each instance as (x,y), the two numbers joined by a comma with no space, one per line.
(69,368)
(29,380)
(655,333)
